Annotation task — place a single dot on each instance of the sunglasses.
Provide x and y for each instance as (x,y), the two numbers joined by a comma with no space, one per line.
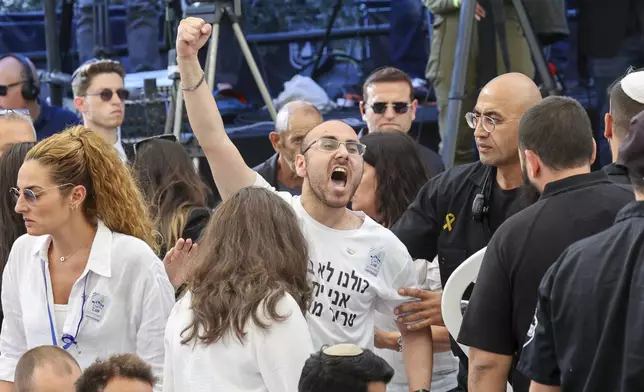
(381,107)
(166,136)
(4,89)
(331,145)
(107,94)
(30,196)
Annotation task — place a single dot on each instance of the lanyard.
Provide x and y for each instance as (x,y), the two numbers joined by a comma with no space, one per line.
(67,339)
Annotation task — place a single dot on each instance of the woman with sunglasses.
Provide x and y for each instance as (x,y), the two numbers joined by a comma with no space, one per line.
(172,188)
(393,175)
(85,277)
(12,224)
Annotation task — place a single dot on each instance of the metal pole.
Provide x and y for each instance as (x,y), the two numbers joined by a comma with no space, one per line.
(325,41)
(53,52)
(211,59)
(459,73)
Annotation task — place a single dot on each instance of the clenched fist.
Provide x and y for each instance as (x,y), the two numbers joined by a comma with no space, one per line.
(192,36)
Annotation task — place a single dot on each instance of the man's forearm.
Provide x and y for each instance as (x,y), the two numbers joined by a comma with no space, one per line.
(418,357)
(440,339)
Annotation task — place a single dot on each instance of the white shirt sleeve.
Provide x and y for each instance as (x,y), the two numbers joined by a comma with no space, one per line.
(157,304)
(13,342)
(280,368)
(168,368)
(407,277)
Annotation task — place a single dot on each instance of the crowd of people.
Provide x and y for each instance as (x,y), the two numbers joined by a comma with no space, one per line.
(321,269)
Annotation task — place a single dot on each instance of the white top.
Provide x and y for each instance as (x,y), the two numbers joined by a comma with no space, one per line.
(129,299)
(445,367)
(61,316)
(354,272)
(118,146)
(270,360)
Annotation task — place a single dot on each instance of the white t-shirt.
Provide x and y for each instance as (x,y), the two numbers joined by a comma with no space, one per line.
(270,360)
(353,272)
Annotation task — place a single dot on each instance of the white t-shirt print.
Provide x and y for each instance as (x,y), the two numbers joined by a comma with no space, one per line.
(353,273)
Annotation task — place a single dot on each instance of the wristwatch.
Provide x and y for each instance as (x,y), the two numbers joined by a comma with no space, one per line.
(400,343)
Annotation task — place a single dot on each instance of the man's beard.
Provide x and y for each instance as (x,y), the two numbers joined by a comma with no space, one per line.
(528,193)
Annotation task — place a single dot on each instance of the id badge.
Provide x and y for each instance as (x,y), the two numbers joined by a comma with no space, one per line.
(97,306)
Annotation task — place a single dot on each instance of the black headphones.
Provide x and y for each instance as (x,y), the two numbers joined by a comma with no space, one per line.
(30,89)
(480,205)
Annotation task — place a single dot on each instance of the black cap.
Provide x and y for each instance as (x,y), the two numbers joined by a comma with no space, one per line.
(631,151)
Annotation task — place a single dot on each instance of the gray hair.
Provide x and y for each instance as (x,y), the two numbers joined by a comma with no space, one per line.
(18,115)
(283,117)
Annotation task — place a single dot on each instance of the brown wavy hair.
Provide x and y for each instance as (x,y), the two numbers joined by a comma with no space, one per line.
(81,157)
(251,253)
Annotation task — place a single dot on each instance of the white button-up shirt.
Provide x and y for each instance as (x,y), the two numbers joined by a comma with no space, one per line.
(128,301)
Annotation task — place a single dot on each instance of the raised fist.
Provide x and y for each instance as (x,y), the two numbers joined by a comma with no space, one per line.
(192,36)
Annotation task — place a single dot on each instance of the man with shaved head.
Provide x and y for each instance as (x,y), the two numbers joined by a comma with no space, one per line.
(15,127)
(355,265)
(19,89)
(456,213)
(46,369)
(293,122)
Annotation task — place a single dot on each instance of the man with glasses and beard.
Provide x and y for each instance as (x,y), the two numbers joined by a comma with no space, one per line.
(99,95)
(556,148)
(456,212)
(355,265)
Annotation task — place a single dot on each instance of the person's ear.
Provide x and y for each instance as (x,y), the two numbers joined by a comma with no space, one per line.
(274,137)
(608,126)
(533,164)
(413,108)
(300,165)
(363,111)
(77,196)
(594,156)
(79,104)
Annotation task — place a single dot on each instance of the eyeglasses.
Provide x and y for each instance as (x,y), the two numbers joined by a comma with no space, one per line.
(8,112)
(30,196)
(107,94)
(166,136)
(489,123)
(331,145)
(4,89)
(381,107)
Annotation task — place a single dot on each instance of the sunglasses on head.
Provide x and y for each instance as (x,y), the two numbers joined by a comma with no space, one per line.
(166,136)
(107,94)
(381,107)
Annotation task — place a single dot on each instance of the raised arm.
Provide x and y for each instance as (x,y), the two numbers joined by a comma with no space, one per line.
(229,170)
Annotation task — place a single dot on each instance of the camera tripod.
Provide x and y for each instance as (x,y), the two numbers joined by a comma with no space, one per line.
(211,13)
(461,59)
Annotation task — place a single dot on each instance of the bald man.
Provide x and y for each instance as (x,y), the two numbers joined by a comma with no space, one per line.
(19,89)
(46,369)
(293,122)
(15,127)
(456,212)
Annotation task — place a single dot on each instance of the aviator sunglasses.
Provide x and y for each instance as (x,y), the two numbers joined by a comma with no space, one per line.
(381,107)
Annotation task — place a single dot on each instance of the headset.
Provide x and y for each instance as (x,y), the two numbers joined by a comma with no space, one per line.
(30,89)
(480,205)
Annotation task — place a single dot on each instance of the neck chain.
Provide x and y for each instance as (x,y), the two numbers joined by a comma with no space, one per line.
(62,259)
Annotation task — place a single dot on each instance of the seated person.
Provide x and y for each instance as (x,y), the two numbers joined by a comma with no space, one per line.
(125,372)
(15,127)
(19,89)
(46,369)
(344,368)
(293,122)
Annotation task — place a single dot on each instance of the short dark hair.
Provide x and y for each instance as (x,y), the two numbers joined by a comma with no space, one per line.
(622,108)
(323,372)
(387,75)
(96,377)
(60,360)
(558,130)
(83,76)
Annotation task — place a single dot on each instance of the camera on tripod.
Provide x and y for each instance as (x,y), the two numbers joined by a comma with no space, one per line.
(208,8)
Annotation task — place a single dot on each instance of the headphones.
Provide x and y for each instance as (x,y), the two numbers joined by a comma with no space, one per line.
(30,89)
(480,205)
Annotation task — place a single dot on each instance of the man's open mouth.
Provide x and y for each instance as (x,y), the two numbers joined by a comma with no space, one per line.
(339,177)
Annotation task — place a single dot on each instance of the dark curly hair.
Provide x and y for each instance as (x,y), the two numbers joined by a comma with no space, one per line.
(400,172)
(96,377)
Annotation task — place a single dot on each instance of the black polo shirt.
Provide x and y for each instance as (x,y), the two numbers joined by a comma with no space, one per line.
(521,251)
(617,173)
(588,334)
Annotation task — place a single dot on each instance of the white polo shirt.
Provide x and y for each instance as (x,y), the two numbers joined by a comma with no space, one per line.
(128,301)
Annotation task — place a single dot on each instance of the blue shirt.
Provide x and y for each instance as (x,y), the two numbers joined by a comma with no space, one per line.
(53,119)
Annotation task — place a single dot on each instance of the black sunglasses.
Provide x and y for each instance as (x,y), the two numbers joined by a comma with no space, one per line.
(381,107)
(166,136)
(107,94)
(4,89)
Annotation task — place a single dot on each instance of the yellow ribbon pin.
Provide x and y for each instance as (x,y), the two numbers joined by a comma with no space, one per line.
(449,219)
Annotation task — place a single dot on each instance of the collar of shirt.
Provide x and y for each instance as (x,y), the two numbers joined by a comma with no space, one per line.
(574,182)
(101,250)
(634,209)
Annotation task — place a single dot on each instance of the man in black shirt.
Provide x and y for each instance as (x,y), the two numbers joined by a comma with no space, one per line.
(556,148)
(626,101)
(456,212)
(587,334)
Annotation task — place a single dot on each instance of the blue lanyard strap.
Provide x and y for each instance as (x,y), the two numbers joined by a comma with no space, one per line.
(67,339)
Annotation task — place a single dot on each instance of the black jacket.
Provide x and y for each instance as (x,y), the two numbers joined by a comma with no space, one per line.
(268,170)
(617,174)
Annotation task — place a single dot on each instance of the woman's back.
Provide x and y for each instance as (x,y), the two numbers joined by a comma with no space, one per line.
(269,360)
